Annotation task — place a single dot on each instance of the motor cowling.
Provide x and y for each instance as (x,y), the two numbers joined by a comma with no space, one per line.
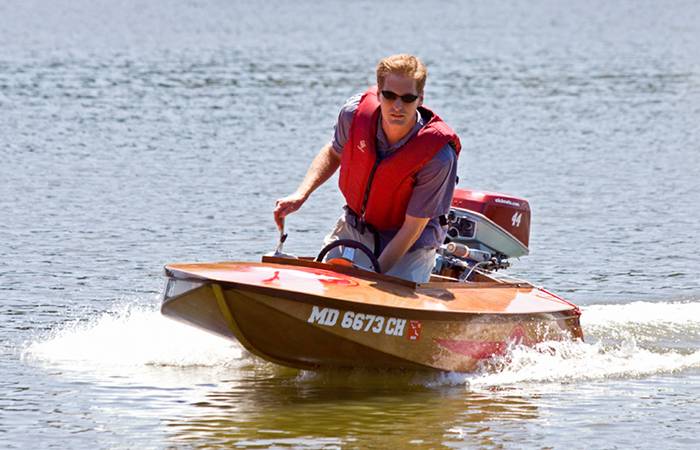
(510,213)
(491,221)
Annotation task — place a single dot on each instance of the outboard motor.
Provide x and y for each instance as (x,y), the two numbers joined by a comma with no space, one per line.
(484,229)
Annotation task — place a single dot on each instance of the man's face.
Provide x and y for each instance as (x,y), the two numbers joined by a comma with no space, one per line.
(397,112)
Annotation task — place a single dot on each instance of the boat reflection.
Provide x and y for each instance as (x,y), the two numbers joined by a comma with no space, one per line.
(273,407)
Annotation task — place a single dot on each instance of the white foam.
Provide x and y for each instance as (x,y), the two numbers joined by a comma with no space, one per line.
(137,336)
(130,337)
(578,361)
(674,314)
(623,341)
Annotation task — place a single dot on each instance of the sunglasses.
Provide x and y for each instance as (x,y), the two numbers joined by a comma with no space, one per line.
(406,98)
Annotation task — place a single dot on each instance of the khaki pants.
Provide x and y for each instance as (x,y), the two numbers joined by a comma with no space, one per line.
(415,265)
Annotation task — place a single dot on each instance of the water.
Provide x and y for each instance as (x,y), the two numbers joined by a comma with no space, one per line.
(134,134)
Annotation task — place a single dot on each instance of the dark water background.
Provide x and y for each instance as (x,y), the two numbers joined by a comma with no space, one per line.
(138,133)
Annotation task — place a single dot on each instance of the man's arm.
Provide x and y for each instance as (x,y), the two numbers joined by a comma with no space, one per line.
(322,168)
(432,196)
(407,235)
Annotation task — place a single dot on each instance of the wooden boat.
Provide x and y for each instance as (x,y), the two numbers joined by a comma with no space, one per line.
(307,314)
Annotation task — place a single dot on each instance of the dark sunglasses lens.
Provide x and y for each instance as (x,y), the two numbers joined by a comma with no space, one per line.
(389,95)
(406,98)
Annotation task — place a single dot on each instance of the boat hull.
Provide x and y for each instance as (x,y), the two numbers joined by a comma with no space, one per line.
(312,332)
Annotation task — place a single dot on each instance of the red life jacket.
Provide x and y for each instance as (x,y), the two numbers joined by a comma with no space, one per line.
(379,191)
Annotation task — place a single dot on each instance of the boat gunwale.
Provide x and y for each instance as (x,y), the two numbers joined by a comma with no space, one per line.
(373,276)
(313,299)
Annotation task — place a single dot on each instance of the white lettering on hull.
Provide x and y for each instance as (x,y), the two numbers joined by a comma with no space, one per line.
(325,316)
(365,323)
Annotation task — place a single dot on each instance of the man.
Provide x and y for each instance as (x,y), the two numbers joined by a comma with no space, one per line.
(398,168)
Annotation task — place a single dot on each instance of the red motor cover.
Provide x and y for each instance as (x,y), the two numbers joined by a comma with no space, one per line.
(511,213)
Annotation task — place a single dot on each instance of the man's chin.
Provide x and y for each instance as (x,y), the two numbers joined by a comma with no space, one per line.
(397,122)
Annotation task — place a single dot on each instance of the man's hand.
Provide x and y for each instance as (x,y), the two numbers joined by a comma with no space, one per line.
(286,206)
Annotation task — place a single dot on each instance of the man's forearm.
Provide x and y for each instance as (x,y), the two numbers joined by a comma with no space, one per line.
(407,235)
(322,168)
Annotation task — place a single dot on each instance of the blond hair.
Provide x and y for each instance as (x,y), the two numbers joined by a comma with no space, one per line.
(404,64)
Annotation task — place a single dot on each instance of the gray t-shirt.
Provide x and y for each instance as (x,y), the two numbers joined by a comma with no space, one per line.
(435,182)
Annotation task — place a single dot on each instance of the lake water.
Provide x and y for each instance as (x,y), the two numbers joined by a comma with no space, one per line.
(133,134)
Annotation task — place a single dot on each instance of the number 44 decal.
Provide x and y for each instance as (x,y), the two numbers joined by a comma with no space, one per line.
(517,217)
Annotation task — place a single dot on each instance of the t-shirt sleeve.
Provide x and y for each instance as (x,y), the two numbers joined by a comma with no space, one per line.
(341,133)
(435,184)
